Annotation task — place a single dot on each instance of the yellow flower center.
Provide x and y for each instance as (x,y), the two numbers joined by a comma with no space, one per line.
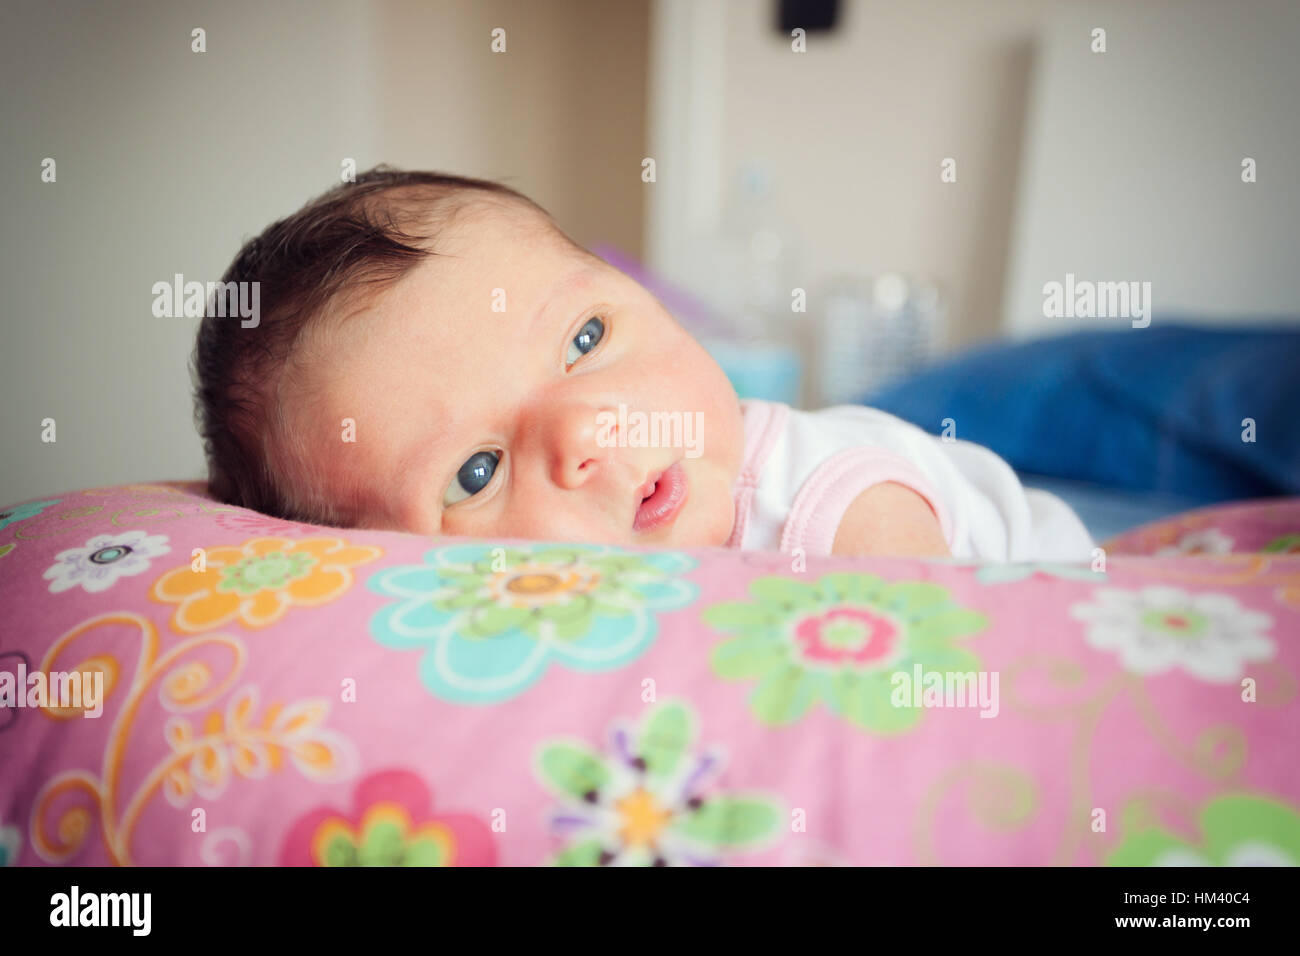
(534,583)
(643,817)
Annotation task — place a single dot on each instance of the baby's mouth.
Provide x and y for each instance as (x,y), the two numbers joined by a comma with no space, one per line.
(661,499)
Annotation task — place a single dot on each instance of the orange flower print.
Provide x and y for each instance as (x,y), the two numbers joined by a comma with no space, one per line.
(258,581)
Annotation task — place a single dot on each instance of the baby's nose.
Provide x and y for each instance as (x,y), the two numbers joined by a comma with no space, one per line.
(581,436)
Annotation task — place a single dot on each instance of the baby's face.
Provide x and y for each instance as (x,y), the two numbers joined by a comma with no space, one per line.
(506,421)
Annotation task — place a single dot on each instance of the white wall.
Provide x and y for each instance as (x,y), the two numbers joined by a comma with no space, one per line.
(1133,161)
(166,160)
(560,116)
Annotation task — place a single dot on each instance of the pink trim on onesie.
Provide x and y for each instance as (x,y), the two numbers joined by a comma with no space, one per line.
(825,496)
(763,424)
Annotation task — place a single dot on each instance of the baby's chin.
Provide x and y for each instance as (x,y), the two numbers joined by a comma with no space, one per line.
(712,537)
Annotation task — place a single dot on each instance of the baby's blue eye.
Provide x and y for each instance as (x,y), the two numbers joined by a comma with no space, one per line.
(588,338)
(475,475)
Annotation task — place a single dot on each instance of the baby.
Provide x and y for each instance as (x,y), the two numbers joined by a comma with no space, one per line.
(434,355)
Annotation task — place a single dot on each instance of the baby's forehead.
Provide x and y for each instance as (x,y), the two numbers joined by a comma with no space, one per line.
(499,235)
(494,219)
(497,265)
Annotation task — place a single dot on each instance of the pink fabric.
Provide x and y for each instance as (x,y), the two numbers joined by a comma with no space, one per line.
(336,697)
(820,504)
(763,424)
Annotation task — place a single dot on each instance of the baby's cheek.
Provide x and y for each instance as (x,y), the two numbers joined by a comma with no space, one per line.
(480,524)
(529,519)
(711,526)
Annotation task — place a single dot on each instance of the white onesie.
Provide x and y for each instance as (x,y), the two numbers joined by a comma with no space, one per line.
(802,470)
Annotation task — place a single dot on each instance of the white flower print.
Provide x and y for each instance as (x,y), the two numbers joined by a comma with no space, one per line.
(104,559)
(1250,853)
(1206,541)
(1210,636)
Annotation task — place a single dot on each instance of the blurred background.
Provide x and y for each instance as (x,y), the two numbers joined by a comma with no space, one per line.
(852,201)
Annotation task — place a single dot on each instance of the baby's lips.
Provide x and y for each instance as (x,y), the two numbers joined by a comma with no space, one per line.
(648,486)
(664,502)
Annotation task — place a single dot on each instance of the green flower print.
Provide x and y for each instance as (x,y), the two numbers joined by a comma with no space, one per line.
(271,571)
(839,640)
(1287,544)
(384,840)
(1236,830)
(492,619)
(646,804)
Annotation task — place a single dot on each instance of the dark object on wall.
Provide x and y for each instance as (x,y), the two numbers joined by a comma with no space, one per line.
(813,15)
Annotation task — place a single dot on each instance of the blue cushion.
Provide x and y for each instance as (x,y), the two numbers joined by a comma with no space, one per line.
(1159,409)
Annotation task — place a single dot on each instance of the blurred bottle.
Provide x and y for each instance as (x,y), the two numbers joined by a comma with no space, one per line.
(872,332)
(756,264)
(757,251)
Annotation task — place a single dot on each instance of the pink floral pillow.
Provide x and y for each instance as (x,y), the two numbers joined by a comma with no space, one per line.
(276,693)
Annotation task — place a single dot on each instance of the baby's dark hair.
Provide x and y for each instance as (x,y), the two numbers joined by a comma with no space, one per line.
(356,239)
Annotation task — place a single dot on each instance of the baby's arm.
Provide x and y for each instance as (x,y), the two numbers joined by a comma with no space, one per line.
(889,518)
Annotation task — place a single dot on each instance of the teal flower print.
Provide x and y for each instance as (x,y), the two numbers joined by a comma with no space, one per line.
(491,619)
(11,843)
(18,513)
(648,803)
(839,641)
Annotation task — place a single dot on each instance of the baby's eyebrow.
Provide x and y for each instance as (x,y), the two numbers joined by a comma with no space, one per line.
(563,287)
